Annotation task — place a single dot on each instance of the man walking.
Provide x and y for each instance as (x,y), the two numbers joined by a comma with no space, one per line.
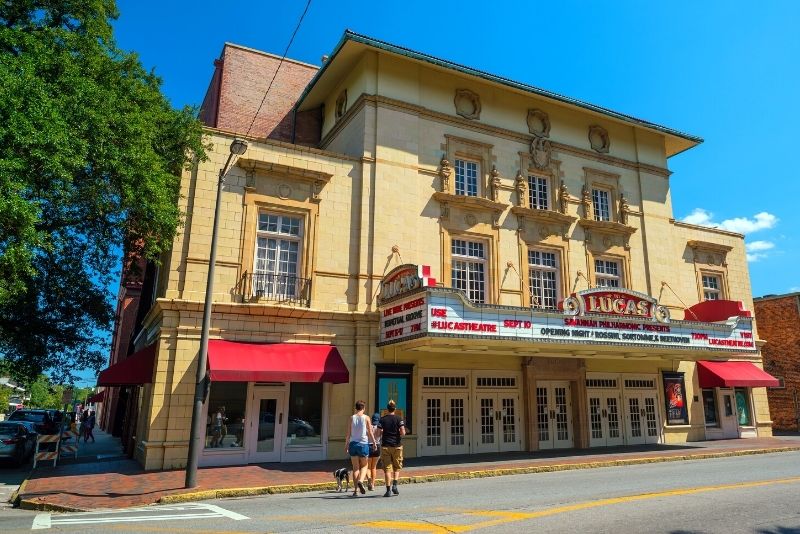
(393,428)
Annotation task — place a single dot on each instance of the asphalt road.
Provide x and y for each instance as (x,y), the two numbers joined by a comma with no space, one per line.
(740,494)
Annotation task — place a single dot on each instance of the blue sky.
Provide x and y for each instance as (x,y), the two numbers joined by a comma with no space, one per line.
(726,71)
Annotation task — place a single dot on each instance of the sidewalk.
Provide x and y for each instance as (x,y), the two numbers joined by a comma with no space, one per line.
(114,483)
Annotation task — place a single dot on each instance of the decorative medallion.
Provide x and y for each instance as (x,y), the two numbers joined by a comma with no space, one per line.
(284,191)
(607,242)
(598,139)
(468,104)
(471,220)
(341,104)
(540,153)
(538,123)
(544,231)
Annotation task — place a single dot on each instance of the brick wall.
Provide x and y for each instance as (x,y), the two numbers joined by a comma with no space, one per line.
(778,322)
(238,86)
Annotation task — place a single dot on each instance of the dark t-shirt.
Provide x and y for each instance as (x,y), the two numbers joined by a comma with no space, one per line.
(390,425)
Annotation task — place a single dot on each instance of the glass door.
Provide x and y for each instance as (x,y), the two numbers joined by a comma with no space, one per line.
(267,427)
(604,419)
(554,414)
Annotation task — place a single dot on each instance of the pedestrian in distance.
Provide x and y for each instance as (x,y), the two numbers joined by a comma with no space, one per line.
(393,428)
(374,453)
(90,422)
(84,418)
(359,438)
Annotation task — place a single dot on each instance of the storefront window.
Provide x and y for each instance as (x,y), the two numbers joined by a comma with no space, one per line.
(742,407)
(226,415)
(710,407)
(305,414)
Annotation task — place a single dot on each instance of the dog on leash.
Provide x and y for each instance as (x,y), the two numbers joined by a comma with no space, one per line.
(342,477)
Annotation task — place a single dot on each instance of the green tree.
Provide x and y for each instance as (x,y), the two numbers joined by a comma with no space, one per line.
(91,154)
(44,394)
(5,395)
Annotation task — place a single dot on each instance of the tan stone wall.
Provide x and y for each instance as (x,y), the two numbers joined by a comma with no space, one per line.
(380,161)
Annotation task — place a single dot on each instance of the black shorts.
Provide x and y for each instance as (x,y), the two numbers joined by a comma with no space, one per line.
(375,452)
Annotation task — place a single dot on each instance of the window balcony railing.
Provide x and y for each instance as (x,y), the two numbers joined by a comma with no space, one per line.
(271,287)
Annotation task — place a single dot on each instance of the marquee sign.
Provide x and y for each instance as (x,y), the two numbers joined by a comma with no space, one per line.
(615,301)
(595,317)
(404,279)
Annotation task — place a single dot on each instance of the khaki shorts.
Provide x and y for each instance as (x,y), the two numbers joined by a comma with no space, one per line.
(392,458)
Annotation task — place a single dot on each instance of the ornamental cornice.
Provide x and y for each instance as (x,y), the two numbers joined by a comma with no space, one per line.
(607,227)
(709,246)
(470,203)
(543,216)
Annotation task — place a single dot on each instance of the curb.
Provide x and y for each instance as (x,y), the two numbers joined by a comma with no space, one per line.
(461,475)
(33,504)
(14,498)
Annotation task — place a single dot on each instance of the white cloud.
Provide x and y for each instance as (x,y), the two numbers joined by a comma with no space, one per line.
(756,250)
(794,289)
(742,225)
(757,246)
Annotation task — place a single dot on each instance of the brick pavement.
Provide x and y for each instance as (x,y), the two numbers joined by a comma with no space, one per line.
(122,483)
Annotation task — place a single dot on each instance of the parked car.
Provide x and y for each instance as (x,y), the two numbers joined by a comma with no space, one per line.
(16,441)
(297,426)
(45,424)
(300,428)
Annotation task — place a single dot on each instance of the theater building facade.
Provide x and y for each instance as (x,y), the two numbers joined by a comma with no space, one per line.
(501,260)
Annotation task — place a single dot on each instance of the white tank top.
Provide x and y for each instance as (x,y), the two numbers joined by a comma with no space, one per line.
(358,429)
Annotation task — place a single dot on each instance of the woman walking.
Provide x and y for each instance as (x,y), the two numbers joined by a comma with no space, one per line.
(358,439)
(374,453)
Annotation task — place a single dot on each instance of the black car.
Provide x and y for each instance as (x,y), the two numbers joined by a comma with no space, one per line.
(16,441)
(45,424)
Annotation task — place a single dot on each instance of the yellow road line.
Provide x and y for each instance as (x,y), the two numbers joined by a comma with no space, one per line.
(501,517)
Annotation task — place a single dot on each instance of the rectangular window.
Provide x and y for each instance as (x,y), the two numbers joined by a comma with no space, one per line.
(710,407)
(305,414)
(601,205)
(543,278)
(466,178)
(607,273)
(469,268)
(711,287)
(538,188)
(226,415)
(277,261)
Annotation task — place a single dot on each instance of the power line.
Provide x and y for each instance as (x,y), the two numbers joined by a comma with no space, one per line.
(299,22)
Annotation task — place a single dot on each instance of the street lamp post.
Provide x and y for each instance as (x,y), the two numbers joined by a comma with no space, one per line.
(238,147)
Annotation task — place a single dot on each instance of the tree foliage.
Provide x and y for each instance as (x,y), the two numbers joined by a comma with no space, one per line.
(91,154)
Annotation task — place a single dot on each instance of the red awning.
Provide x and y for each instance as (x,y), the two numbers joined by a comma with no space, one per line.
(97,397)
(135,370)
(230,361)
(733,374)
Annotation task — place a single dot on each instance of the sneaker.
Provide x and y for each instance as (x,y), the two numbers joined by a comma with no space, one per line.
(354,494)
(361,488)
(370,486)
(394,489)
(388,493)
